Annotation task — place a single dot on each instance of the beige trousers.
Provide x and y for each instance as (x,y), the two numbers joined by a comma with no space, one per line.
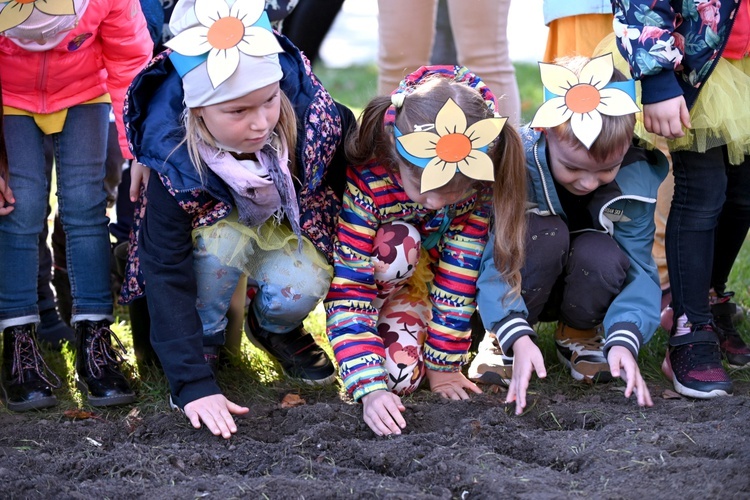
(406,29)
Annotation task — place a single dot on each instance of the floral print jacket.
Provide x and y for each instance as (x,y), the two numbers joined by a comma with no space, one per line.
(152,117)
(672,46)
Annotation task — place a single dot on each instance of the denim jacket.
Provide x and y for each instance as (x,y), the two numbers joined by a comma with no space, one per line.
(625,209)
(672,46)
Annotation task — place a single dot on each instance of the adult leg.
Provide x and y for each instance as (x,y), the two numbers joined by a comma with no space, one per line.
(405,38)
(480,33)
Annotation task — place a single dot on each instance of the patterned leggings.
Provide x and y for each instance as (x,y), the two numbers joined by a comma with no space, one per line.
(404,307)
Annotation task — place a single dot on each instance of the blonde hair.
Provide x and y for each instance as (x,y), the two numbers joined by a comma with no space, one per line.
(197,132)
(374,141)
(617,131)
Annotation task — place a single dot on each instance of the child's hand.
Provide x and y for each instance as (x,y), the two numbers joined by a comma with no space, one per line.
(139,174)
(6,198)
(382,412)
(527,359)
(621,358)
(666,118)
(451,385)
(216,412)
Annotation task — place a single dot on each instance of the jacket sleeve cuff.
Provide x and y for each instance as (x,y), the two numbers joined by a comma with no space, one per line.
(660,87)
(195,390)
(625,335)
(510,329)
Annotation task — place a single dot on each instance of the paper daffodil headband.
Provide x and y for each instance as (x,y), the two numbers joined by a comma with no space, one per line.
(220,35)
(17,11)
(448,145)
(39,20)
(583,99)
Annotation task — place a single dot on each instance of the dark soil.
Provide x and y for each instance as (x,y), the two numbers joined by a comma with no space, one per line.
(587,442)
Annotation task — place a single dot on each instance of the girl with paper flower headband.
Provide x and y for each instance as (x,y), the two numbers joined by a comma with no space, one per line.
(247,176)
(64,65)
(588,243)
(431,160)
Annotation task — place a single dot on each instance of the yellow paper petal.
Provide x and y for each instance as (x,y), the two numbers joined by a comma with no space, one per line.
(56,8)
(436,174)
(557,79)
(259,42)
(478,166)
(419,144)
(598,71)
(191,42)
(615,102)
(551,114)
(247,11)
(485,131)
(586,127)
(210,11)
(14,14)
(450,119)
(221,64)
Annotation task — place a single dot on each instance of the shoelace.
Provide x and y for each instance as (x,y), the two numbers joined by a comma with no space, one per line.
(26,356)
(101,351)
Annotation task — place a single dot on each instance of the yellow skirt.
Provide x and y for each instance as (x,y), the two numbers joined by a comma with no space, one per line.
(720,116)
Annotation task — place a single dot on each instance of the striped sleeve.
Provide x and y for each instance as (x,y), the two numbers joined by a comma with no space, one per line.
(453,290)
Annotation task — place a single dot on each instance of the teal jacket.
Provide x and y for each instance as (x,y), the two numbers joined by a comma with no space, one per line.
(625,212)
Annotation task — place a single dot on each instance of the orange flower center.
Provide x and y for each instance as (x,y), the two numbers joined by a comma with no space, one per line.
(25,1)
(582,98)
(226,33)
(453,148)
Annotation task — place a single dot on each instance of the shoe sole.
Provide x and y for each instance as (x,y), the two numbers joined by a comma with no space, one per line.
(123,399)
(598,377)
(37,404)
(323,381)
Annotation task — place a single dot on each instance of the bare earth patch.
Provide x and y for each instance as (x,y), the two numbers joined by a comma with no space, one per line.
(588,442)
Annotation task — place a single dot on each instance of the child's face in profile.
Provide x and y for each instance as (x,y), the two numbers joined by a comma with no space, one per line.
(455,191)
(574,168)
(244,124)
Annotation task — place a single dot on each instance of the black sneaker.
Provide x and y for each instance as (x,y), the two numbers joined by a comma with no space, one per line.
(296,351)
(733,348)
(693,363)
(27,381)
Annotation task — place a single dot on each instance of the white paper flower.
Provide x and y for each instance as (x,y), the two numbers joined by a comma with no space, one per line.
(582,100)
(452,146)
(224,33)
(16,12)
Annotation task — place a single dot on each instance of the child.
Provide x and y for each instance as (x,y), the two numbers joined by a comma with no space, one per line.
(233,192)
(411,233)
(588,246)
(63,62)
(692,61)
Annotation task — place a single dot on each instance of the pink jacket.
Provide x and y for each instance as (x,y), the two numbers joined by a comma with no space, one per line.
(110,45)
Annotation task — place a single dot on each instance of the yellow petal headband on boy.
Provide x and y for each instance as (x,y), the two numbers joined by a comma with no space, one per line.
(583,100)
(222,32)
(448,146)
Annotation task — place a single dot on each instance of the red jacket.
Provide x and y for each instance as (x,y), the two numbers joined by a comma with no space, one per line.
(110,45)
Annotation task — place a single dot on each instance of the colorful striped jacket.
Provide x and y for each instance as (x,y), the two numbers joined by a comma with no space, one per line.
(374,197)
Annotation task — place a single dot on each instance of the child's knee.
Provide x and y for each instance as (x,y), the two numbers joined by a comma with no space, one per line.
(396,249)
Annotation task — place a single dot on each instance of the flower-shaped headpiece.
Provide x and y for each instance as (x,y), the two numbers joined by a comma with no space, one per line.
(214,32)
(16,12)
(583,99)
(448,146)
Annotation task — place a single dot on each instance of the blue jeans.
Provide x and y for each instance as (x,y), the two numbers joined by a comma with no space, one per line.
(290,284)
(80,150)
(707,224)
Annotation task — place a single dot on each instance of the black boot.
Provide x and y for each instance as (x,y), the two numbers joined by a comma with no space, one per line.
(733,348)
(296,351)
(27,381)
(98,365)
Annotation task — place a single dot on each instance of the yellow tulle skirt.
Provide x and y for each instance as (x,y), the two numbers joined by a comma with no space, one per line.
(720,116)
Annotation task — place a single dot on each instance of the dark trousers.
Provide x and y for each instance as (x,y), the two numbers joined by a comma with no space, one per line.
(571,278)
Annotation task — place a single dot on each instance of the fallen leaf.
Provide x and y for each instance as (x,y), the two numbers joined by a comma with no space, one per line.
(668,394)
(79,414)
(292,400)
